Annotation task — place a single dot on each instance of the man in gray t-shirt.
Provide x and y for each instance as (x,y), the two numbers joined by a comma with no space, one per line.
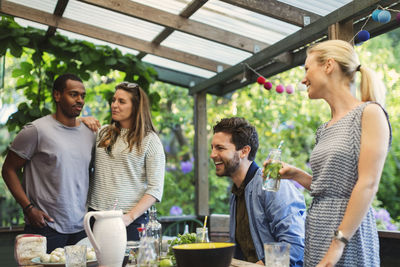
(54,153)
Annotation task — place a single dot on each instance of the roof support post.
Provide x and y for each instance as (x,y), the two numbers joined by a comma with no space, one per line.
(342,31)
(201,154)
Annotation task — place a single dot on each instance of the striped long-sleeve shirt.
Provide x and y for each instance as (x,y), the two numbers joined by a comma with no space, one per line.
(127,175)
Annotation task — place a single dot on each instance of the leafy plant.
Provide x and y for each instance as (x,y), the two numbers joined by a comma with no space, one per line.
(47,57)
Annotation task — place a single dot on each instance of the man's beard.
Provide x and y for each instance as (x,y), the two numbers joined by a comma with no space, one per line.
(231,166)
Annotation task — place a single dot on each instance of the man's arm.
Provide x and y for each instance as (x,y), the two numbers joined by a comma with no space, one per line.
(11,165)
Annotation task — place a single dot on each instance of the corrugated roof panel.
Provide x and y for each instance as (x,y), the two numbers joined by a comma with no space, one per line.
(204,48)
(76,36)
(215,13)
(244,22)
(112,21)
(28,23)
(170,64)
(71,35)
(171,6)
(322,8)
(43,5)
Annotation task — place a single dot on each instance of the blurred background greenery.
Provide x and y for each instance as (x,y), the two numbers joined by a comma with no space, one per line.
(26,96)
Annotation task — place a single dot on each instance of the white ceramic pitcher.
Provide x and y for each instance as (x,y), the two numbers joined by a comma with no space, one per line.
(108,237)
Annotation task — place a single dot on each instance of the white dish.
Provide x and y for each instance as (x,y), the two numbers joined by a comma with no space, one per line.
(37,261)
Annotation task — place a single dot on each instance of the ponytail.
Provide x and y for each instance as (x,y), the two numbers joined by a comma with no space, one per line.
(371,87)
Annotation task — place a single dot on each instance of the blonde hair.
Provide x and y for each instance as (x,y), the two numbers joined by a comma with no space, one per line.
(371,87)
(141,123)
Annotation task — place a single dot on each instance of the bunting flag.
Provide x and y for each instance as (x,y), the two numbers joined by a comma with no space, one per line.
(381,15)
(280,88)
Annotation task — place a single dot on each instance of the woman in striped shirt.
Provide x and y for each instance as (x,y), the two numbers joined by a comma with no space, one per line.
(129,160)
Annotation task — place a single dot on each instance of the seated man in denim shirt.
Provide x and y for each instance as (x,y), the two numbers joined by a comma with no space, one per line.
(256,216)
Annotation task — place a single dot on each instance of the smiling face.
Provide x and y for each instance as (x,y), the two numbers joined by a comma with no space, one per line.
(71,100)
(314,78)
(121,108)
(224,154)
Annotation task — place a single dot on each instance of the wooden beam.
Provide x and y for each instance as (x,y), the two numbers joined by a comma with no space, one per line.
(192,7)
(58,11)
(189,10)
(179,23)
(108,36)
(276,10)
(201,154)
(176,77)
(298,58)
(341,31)
(295,41)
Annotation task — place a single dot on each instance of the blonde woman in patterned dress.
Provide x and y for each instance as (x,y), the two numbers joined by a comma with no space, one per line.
(347,159)
(129,160)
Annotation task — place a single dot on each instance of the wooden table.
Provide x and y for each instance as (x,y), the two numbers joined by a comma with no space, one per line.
(234,263)
(239,263)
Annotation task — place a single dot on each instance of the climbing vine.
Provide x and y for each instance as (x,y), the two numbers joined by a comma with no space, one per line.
(46,57)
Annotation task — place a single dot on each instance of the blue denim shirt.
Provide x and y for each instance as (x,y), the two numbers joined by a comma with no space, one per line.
(273,217)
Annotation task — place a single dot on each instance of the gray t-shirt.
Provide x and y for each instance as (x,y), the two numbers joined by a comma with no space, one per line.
(56,175)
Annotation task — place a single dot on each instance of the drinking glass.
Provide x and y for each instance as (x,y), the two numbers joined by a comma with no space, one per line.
(75,256)
(277,254)
(200,232)
(271,171)
(133,251)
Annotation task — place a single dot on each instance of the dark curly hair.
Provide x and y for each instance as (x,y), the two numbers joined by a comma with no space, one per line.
(61,82)
(243,134)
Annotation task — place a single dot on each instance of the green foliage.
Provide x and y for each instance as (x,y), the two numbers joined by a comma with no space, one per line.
(173,120)
(187,238)
(47,57)
(292,118)
(382,54)
(40,60)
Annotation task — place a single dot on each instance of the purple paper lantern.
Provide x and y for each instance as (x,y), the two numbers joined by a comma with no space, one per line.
(268,85)
(280,89)
(398,17)
(289,89)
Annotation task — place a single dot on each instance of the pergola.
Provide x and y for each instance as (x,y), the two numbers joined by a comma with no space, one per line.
(204,45)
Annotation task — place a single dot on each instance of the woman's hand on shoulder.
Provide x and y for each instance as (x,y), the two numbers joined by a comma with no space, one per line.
(91,122)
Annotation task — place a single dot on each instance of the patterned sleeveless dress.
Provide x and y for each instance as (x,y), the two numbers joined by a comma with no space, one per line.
(334,164)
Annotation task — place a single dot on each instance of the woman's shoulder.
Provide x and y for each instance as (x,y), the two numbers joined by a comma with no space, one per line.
(151,138)
(373,111)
